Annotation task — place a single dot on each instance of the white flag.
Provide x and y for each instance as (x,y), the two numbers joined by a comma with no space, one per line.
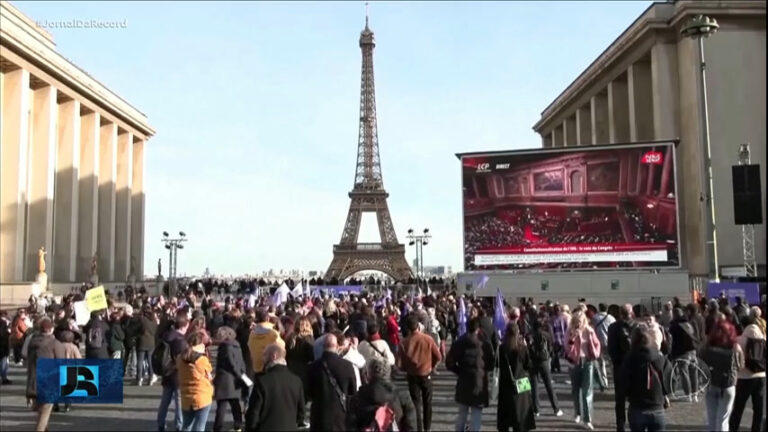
(297,291)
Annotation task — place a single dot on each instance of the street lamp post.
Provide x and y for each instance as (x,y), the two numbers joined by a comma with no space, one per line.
(698,28)
(419,240)
(173,245)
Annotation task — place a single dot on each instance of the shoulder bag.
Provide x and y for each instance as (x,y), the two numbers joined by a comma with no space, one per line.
(339,393)
(522,385)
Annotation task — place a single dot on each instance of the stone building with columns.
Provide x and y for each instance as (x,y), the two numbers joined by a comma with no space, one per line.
(72,165)
(645,86)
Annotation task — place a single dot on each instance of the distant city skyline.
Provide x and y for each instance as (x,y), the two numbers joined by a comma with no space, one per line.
(255,107)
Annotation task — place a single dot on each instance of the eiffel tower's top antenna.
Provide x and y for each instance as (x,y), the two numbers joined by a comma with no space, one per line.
(366,14)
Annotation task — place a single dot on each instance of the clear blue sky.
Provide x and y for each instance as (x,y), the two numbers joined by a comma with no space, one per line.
(256,106)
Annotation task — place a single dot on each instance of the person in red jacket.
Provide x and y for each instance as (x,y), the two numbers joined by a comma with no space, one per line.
(393,330)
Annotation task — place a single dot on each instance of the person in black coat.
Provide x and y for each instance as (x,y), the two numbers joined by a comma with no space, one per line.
(377,392)
(5,347)
(227,384)
(300,351)
(328,413)
(96,340)
(145,344)
(647,377)
(277,398)
(132,329)
(471,358)
(618,349)
(515,410)
(116,336)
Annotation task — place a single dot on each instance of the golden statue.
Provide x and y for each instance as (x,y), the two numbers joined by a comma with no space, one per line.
(41,259)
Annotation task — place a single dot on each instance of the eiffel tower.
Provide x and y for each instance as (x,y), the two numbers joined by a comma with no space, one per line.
(368,194)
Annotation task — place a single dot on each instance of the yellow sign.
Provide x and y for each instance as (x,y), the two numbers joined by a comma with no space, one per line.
(96,299)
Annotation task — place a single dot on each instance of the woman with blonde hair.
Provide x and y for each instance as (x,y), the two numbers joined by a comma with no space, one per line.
(300,351)
(582,350)
(195,387)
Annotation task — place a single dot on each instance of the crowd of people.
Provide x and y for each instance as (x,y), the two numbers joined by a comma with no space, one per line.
(328,363)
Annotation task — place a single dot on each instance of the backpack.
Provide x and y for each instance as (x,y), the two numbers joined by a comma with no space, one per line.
(95,336)
(720,362)
(383,420)
(754,355)
(539,348)
(162,360)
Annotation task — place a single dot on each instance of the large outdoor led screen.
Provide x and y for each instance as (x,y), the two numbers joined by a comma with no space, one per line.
(581,208)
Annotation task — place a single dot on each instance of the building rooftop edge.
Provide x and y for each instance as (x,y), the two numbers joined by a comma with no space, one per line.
(666,14)
(37,30)
(18,36)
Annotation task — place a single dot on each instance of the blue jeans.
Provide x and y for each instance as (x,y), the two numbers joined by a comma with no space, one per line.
(719,403)
(4,368)
(165,401)
(194,420)
(581,388)
(141,358)
(650,421)
(476,418)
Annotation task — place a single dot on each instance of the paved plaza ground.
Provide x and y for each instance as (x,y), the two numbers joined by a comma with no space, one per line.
(140,408)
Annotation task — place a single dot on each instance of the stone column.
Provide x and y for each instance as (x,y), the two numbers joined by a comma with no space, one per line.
(640,102)
(107,179)
(598,106)
(618,110)
(88,229)
(42,169)
(123,205)
(66,193)
(137,208)
(14,140)
(557,136)
(664,76)
(583,126)
(569,131)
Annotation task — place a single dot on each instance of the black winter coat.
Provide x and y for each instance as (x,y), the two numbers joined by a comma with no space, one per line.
(229,366)
(132,328)
(277,401)
(94,352)
(489,331)
(5,334)
(647,378)
(146,341)
(299,358)
(683,338)
(471,358)
(371,396)
(116,337)
(515,411)
(327,413)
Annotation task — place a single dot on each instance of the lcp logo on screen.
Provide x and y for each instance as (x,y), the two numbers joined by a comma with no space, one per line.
(79,381)
(653,158)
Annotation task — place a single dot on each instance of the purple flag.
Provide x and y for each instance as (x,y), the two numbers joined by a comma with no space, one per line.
(499,317)
(461,319)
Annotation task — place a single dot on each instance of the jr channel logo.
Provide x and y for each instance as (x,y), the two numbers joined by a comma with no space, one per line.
(80,381)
